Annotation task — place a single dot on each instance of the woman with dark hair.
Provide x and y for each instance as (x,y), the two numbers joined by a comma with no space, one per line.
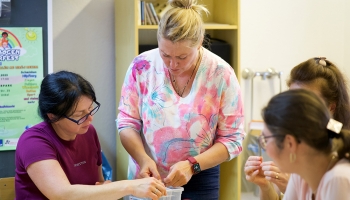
(60,158)
(301,138)
(322,77)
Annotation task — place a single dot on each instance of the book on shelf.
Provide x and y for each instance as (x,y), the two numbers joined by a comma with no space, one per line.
(148,12)
(151,19)
(142,12)
(147,20)
(154,14)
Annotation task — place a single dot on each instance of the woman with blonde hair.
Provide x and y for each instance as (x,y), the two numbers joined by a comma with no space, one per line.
(180,108)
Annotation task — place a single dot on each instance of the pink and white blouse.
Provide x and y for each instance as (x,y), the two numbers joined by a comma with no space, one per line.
(174,128)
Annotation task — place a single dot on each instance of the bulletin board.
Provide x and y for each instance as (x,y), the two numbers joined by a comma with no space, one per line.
(24,13)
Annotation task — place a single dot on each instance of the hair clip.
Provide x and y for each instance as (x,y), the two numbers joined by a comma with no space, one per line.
(321,61)
(188,7)
(334,126)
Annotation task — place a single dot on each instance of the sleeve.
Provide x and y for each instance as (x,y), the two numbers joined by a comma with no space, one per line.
(336,188)
(129,115)
(291,190)
(230,131)
(33,147)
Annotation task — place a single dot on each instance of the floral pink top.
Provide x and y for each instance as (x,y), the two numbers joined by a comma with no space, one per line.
(174,128)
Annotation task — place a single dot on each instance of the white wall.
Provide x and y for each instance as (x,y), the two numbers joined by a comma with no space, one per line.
(281,34)
(83,42)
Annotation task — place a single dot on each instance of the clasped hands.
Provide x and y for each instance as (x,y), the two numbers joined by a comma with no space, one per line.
(260,173)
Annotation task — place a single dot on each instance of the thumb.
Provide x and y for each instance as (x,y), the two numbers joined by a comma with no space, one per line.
(144,175)
(155,174)
(169,178)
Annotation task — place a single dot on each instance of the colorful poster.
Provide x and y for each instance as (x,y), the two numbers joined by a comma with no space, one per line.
(21,72)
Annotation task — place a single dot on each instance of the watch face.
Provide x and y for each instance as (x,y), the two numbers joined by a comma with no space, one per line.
(196,168)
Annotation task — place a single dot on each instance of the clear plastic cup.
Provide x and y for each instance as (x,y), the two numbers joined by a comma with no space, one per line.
(172,194)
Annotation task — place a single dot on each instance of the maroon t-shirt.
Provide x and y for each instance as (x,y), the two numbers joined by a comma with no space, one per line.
(79,158)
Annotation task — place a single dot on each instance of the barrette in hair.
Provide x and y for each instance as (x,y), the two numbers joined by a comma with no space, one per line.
(334,126)
(321,61)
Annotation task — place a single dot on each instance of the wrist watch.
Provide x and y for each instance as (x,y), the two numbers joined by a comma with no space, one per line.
(196,168)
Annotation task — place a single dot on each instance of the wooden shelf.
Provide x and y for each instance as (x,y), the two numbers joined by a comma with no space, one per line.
(208,26)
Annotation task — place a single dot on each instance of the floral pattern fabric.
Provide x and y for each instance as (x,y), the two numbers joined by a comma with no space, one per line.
(174,128)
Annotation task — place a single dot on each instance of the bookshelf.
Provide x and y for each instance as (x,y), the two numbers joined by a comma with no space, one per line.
(222,23)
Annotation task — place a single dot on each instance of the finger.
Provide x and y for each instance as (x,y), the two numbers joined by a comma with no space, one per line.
(155,174)
(252,163)
(271,169)
(272,175)
(254,158)
(269,163)
(249,169)
(169,178)
(252,175)
(144,175)
(272,164)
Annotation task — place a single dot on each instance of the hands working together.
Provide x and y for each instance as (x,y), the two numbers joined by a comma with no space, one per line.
(179,174)
(261,173)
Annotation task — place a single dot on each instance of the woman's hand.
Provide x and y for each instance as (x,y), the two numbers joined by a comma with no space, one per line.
(273,174)
(148,188)
(148,168)
(179,174)
(253,171)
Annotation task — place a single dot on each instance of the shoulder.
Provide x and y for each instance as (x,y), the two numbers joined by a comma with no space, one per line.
(341,170)
(216,65)
(41,130)
(336,183)
(144,60)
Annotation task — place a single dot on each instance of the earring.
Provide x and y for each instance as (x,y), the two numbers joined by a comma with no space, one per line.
(292,157)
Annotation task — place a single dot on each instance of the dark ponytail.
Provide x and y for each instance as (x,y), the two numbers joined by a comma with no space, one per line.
(342,144)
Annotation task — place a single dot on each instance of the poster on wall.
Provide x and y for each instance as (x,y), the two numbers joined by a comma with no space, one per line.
(21,72)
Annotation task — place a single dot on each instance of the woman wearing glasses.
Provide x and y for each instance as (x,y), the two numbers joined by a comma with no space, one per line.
(322,77)
(302,139)
(60,158)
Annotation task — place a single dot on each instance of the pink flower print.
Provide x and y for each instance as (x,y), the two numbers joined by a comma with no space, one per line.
(140,66)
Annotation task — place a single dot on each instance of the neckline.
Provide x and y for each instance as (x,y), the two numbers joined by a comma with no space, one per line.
(172,78)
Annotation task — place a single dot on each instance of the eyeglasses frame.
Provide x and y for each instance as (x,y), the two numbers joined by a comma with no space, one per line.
(85,116)
(262,140)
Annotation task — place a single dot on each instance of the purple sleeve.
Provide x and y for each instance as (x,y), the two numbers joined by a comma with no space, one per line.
(32,148)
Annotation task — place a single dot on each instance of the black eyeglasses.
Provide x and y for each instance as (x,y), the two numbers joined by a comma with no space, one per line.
(83,119)
(262,140)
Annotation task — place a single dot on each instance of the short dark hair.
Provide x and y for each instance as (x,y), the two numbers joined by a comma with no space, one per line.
(4,33)
(60,93)
(302,114)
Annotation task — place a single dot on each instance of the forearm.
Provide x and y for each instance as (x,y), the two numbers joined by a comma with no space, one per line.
(268,192)
(132,143)
(213,156)
(113,190)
